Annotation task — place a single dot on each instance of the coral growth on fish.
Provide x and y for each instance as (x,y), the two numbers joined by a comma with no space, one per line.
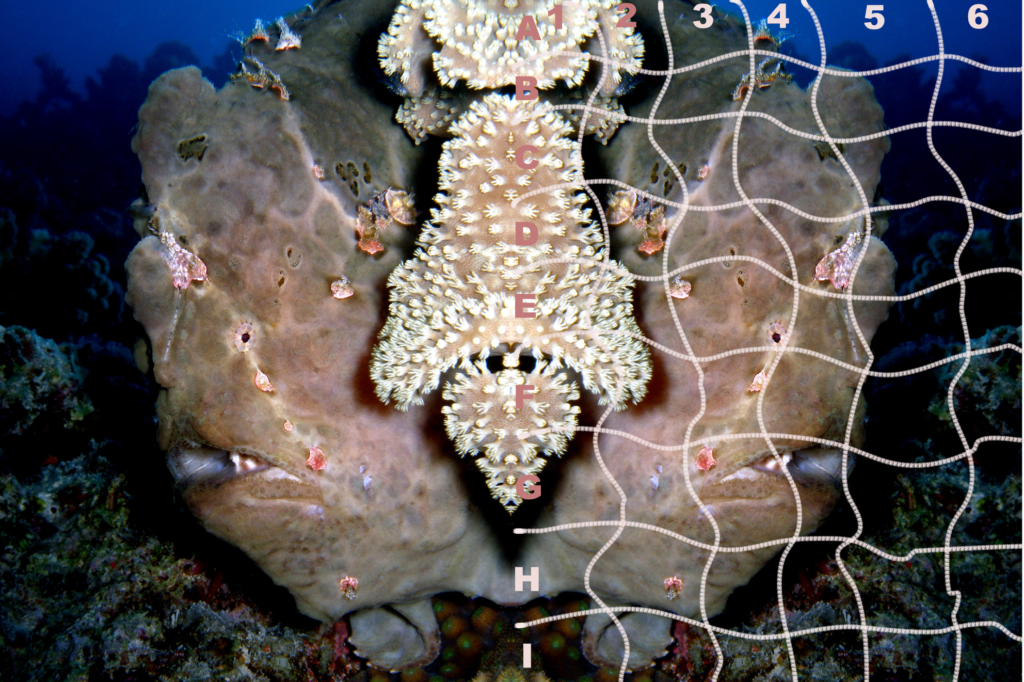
(497,270)
(475,287)
(510,40)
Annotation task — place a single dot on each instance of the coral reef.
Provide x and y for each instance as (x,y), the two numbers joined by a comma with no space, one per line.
(80,291)
(89,592)
(40,397)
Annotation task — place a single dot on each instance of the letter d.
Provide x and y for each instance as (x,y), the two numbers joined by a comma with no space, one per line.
(524,239)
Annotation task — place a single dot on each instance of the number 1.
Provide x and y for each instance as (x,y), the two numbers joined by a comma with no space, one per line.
(556,12)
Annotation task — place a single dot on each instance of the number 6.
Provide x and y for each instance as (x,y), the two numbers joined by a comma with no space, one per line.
(976,16)
(874,12)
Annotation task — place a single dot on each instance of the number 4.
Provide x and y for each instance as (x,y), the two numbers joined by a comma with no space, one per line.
(874,12)
(779,16)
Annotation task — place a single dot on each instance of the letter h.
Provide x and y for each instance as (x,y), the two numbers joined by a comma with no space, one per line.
(533,579)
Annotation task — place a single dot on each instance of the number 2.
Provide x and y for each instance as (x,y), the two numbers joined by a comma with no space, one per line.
(778,16)
(705,15)
(630,10)
(874,12)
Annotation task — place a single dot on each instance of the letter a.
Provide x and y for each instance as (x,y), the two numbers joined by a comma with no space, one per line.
(526,88)
(528,28)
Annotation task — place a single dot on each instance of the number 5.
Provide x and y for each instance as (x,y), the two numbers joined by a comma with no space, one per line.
(874,12)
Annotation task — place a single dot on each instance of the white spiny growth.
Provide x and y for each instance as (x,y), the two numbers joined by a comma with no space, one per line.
(478,42)
(453,304)
(483,419)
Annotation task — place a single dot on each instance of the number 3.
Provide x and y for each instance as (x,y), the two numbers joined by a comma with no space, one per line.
(705,15)
(874,12)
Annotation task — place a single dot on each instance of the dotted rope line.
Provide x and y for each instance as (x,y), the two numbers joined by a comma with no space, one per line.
(725,549)
(841,73)
(864,371)
(597,448)
(844,468)
(595,333)
(764,637)
(670,236)
(782,126)
(967,345)
(815,291)
(795,436)
(885,208)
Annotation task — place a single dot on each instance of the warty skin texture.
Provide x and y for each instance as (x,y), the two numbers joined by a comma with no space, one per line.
(394,507)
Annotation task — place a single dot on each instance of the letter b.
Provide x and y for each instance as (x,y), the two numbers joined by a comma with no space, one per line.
(526,88)
(533,579)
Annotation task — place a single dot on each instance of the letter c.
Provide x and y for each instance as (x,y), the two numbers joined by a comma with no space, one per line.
(521,153)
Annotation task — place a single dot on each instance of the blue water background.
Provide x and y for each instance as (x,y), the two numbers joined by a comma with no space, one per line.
(81,37)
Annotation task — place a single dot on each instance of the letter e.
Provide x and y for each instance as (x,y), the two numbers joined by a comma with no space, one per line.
(524,305)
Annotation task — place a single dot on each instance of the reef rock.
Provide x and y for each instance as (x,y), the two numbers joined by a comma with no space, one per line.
(261,209)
